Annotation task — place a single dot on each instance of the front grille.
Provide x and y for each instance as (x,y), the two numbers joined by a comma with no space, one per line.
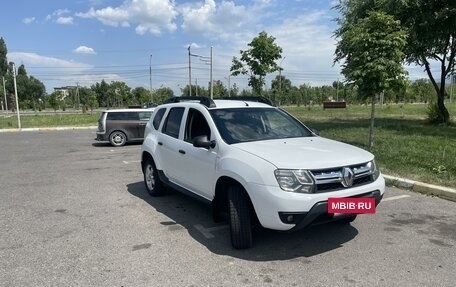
(328,180)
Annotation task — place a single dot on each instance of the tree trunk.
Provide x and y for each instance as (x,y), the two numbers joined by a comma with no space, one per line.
(444,115)
(371,131)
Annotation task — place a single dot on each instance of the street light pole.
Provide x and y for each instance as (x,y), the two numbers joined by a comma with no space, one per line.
(229,85)
(189,72)
(212,84)
(17,101)
(280,79)
(150,78)
(4,93)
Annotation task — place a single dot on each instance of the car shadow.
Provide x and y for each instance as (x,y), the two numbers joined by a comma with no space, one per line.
(268,245)
(107,144)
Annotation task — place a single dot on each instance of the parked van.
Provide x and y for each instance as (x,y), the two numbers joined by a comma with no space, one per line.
(120,126)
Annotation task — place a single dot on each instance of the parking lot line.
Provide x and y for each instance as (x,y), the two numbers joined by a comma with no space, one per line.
(207,231)
(131,161)
(396,197)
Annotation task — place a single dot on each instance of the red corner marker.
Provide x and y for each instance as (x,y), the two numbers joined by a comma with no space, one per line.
(351,205)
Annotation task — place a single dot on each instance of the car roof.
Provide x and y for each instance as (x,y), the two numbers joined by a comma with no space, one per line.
(233,102)
(221,104)
(128,110)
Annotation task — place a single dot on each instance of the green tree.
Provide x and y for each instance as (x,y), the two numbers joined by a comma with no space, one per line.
(431,27)
(119,94)
(219,90)
(102,90)
(140,95)
(431,36)
(54,100)
(258,61)
(88,99)
(163,93)
(372,53)
(281,87)
(3,59)
(197,90)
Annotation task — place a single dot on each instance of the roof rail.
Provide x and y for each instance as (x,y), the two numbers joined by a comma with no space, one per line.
(258,99)
(208,102)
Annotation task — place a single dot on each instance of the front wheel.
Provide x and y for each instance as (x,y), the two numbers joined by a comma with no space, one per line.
(240,225)
(153,183)
(117,138)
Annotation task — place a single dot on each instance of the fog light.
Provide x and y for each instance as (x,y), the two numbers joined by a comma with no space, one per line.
(290,218)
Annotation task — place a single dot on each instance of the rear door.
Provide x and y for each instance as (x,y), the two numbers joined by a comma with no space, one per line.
(168,143)
(126,122)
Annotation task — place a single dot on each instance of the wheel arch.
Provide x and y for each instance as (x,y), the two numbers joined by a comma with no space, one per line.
(219,203)
(144,157)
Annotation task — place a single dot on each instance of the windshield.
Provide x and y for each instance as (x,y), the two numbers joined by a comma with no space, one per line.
(238,125)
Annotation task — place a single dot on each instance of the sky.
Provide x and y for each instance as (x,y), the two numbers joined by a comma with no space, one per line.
(81,42)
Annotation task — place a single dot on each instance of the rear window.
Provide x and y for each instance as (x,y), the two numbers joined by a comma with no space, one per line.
(122,116)
(158,117)
(173,121)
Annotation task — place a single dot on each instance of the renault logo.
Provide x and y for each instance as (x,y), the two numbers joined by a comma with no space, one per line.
(347,177)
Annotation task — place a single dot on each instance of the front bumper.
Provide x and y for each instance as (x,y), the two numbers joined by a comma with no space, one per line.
(318,214)
(272,205)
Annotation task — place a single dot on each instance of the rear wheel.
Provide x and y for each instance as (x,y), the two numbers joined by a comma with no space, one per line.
(117,138)
(240,224)
(153,183)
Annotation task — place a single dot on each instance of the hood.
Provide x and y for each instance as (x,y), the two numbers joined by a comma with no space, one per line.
(306,153)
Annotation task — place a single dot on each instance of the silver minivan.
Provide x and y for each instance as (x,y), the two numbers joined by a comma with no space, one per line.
(120,126)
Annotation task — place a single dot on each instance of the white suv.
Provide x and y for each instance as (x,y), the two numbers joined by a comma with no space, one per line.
(254,162)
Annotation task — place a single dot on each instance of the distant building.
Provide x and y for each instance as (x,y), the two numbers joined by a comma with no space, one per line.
(64,91)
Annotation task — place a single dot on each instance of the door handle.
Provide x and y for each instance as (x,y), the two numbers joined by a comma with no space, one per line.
(142,124)
(182,151)
(160,143)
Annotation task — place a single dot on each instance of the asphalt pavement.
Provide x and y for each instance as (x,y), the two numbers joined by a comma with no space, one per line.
(74,212)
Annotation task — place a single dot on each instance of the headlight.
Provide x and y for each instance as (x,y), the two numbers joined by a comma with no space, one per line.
(374,170)
(295,180)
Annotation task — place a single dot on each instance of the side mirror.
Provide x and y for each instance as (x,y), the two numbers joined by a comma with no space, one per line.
(203,141)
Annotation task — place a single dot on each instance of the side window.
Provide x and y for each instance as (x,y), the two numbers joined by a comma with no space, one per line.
(196,126)
(173,121)
(122,116)
(144,116)
(158,118)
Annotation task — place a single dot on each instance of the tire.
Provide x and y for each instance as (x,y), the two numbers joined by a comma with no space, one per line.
(117,138)
(347,220)
(152,182)
(239,215)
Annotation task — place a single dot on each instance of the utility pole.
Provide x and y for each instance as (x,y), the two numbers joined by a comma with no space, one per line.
(280,81)
(196,87)
(4,93)
(189,73)
(212,84)
(17,101)
(150,78)
(337,90)
(77,94)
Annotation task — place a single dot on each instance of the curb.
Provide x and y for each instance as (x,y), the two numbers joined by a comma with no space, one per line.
(421,187)
(47,129)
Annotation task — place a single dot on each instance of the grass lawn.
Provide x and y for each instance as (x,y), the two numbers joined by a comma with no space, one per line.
(49,120)
(405,144)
